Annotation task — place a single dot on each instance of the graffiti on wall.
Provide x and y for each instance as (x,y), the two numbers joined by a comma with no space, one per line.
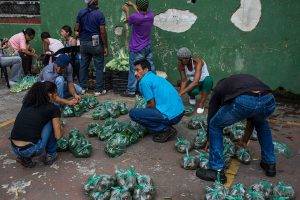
(248,15)
(26,11)
(174,20)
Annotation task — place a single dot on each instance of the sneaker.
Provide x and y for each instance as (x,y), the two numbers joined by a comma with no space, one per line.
(200,110)
(165,136)
(128,94)
(26,162)
(11,83)
(211,175)
(49,159)
(100,93)
(270,169)
(192,100)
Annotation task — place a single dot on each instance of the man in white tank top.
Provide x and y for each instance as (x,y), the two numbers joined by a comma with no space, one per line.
(195,78)
(50,46)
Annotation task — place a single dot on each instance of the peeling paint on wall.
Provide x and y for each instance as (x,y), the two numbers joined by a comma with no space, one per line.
(173,20)
(248,15)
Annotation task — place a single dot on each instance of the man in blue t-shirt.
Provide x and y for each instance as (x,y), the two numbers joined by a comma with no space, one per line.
(164,105)
(90,26)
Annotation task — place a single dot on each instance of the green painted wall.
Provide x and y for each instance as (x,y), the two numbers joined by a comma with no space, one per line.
(271,51)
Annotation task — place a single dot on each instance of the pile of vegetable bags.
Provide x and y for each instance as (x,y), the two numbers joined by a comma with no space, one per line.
(76,143)
(260,190)
(200,158)
(24,84)
(117,135)
(120,62)
(87,102)
(110,109)
(125,184)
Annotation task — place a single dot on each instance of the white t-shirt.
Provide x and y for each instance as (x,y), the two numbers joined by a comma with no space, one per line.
(190,74)
(55,45)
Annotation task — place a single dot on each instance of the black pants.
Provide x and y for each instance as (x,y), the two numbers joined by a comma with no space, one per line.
(26,63)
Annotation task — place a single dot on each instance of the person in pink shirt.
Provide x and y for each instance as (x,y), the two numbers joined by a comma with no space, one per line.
(20,44)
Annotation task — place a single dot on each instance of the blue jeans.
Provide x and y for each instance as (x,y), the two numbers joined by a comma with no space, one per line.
(256,109)
(133,57)
(89,52)
(62,87)
(46,143)
(152,119)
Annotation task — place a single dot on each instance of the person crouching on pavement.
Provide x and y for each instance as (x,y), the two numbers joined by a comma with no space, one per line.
(234,99)
(57,73)
(195,78)
(164,105)
(37,126)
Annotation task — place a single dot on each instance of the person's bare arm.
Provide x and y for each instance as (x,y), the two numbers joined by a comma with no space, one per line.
(72,91)
(76,30)
(58,133)
(197,76)
(103,36)
(62,101)
(247,134)
(183,82)
(27,52)
(130,3)
(151,104)
(45,46)
(73,42)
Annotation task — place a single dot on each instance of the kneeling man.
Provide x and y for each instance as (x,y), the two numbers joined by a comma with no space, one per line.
(164,105)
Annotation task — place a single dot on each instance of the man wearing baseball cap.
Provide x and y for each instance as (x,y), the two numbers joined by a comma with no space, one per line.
(58,72)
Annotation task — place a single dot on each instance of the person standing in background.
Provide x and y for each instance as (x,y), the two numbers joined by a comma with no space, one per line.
(20,43)
(141,22)
(90,26)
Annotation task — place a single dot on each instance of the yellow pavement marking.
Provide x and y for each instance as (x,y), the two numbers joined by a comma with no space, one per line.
(6,123)
(231,172)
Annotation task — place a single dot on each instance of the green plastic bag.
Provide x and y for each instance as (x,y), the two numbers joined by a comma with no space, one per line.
(106,132)
(243,155)
(203,159)
(123,108)
(116,145)
(188,111)
(100,114)
(79,145)
(91,183)
(229,147)
(68,112)
(83,149)
(24,84)
(140,102)
(264,187)
(144,192)
(78,110)
(284,149)
(189,162)
(230,197)
(127,178)
(96,195)
(237,189)
(120,193)
(196,121)
(227,159)
(200,140)
(216,192)
(90,101)
(254,195)
(93,129)
(283,190)
(144,189)
(62,144)
(182,144)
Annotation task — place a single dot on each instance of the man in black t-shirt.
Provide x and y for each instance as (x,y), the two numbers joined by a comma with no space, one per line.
(236,98)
